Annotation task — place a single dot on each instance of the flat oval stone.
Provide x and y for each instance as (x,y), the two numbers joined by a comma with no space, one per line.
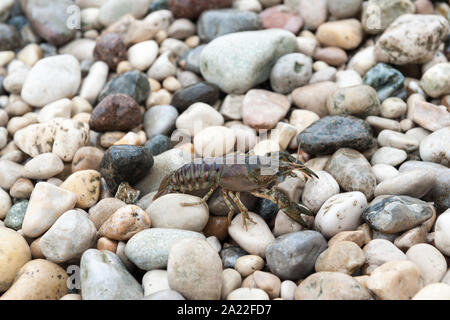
(125,163)
(352,171)
(331,133)
(132,83)
(216,23)
(385,79)
(149,249)
(116,112)
(293,256)
(200,92)
(396,213)
(104,277)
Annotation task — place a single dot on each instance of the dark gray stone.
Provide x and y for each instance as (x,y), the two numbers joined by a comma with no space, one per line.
(216,23)
(125,163)
(200,92)
(331,133)
(158,144)
(292,256)
(396,213)
(267,209)
(230,255)
(385,79)
(133,83)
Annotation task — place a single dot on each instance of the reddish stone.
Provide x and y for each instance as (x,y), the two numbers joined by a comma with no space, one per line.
(281,17)
(334,56)
(217,226)
(110,49)
(117,112)
(191,9)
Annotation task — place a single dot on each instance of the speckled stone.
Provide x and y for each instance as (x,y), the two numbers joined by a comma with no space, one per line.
(394,214)
(385,79)
(292,256)
(216,23)
(200,92)
(110,49)
(352,171)
(133,83)
(15,215)
(331,133)
(125,163)
(116,112)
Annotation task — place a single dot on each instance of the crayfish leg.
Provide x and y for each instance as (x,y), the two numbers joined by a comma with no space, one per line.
(202,201)
(229,205)
(242,208)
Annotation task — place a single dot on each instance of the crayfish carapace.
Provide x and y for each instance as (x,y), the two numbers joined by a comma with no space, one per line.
(237,173)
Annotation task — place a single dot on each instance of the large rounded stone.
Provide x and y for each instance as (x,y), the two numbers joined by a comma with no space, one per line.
(229,63)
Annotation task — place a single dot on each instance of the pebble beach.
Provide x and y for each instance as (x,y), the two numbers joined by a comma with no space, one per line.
(101,100)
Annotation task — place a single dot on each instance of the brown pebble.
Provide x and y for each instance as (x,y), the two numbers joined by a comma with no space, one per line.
(87,158)
(217,226)
(110,49)
(333,56)
(116,112)
(107,244)
(125,223)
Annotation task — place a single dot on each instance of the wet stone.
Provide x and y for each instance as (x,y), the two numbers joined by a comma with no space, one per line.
(110,49)
(116,112)
(396,213)
(200,92)
(230,255)
(331,133)
(216,23)
(132,83)
(158,144)
(385,79)
(125,163)
(15,215)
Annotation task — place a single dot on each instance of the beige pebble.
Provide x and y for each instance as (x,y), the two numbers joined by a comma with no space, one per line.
(38,279)
(384,280)
(125,223)
(393,108)
(356,236)
(429,260)
(346,34)
(248,264)
(154,281)
(109,138)
(410,238)
(248,294)
(132,138)
(380,251)
(331,286)
(197,117)
(71,296)
(231,280)
(104,209)
(43,166)
(86,185)
(21,189)
(107,244)
(343,256)
(171,84)
(268,282)
(14,253)
(160,97)
(214,141)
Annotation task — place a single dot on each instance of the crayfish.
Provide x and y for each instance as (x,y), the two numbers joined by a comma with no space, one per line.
(239,173)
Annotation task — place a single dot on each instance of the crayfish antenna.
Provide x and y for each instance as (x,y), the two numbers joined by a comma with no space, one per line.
(162,188)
